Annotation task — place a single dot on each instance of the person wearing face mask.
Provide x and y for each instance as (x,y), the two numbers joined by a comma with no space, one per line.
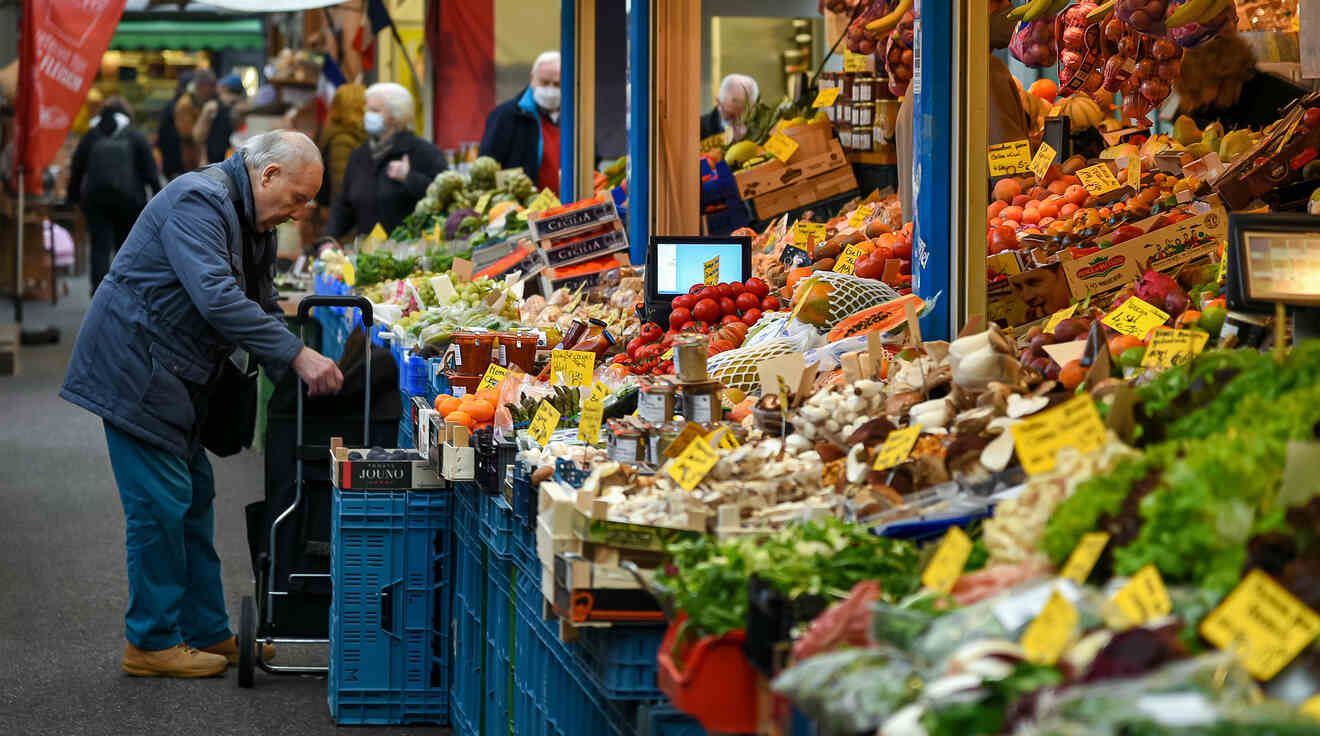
(524,132)
(737,93)
(1006,117)
(387,175)
(219,118)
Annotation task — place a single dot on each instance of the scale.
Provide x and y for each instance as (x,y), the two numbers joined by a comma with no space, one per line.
(1273,265)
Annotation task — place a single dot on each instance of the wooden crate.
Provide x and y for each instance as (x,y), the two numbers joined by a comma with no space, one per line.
(775,175)
(815,189)
(9,343)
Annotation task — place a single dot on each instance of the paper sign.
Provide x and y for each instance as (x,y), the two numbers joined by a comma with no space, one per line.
(1264,622)
(896,447)
(494,374)
(589,422)
(349,273)
(847,260)
(1222,275)
(1074,423)
(462,269)
(1311,707)
(689,432)
(572,367)
(807,235)
(949,560)
(543,201)
(1064,353)
(1098,179)
(483,202)
(712,271)
(781,147)
(1084,556)
(1144,598)
(826,97)
(1009,158)
(859,215)
(692,465)
(1134,172)
(1048,635)
(443,287)
(1044,158)
(854,62)
(543,423)
(1060,316)
(599,392)
(1135,317)
(789,367)
(378,233)
(1169,348)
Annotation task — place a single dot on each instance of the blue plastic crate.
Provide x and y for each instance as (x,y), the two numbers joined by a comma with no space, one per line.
(412,374)
(664,719)
(524,495)
(497,526)
(498,622)
(389,557)
(621,660)
(802,725)
(467,636)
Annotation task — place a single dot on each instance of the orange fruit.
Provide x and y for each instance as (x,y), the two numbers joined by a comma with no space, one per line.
(1120,343)
(1072,374)
(490,395)
(448,406)
(797,275)
(480,410)
(440,399)
(460,417)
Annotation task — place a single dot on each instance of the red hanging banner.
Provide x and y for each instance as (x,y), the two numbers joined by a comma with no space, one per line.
(59,55)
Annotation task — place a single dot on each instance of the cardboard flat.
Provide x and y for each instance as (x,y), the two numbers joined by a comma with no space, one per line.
(1066,352)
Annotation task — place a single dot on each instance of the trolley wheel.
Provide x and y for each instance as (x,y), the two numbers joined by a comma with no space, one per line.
(247,640)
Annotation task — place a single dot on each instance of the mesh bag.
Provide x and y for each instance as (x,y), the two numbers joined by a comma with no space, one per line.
(852,294)
(1033,43)
(740,368)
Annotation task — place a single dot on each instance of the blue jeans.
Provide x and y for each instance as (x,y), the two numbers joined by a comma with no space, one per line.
(175,593)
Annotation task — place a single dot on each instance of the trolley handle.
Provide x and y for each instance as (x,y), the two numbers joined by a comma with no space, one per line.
(326,300)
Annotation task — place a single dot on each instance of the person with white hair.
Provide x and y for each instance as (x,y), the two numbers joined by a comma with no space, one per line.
(387,175)
(524,132)
(190,296)
(738,92)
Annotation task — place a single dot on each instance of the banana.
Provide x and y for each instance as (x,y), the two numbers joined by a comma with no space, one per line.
(1189,12)
(891,19)
(1104,10)
(1214,10)
(1034,10)
(1059,6)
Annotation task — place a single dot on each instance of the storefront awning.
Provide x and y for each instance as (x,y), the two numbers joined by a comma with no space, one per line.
(245,34)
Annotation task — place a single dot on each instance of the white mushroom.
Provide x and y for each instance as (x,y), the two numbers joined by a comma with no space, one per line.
(1020,406)
(933,413)
(995,456)
(797,443)
(856,466)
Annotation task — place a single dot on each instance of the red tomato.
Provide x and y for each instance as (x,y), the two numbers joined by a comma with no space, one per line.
(1002,239)
(707,310)
(728,306)
(903,249)
(1311,118)
(695,288)
(758,287)
(708,292)
(747,300)
(770,303)
(686,301)
(751,317)
(870,266)
(679,317)
(729,318)
(725,290)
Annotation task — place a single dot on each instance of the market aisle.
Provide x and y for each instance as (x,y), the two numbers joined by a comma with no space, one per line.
(62,573)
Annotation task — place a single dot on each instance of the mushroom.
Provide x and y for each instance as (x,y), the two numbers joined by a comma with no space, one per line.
(1021,406)
(996,455)
(933,413)
(898,405)
(857,465)
(973,421)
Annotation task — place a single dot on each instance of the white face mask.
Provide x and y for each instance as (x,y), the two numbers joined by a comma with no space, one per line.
(374,123)
(547,98)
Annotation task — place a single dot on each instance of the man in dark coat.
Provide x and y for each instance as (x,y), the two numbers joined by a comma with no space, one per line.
(167,135)
(192,283)
(737,93)
(524,132)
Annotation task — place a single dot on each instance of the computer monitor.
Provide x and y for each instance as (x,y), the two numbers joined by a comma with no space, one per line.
(675,263)
(1273,258)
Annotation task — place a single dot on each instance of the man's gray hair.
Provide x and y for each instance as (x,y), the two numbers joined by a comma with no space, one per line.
(546,57)
(288,148)
(739,85)
(398,100)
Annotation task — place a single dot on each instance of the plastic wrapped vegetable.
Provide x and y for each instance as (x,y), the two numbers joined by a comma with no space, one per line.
(1146,16)
(851,691)
(844,623)
(1082,52)
(1033,43)
(1194,34)
(898,56)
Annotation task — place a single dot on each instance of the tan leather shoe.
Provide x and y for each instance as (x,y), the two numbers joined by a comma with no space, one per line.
(229,650)
(177,661)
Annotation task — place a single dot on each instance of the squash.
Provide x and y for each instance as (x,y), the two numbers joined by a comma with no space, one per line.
(1082,111)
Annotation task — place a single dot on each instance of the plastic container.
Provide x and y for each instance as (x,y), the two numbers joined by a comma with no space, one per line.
(497,526)
(715,684)
(467,693)
(469,353)
(497,623)
(622,660)
(517,349)
(663,719)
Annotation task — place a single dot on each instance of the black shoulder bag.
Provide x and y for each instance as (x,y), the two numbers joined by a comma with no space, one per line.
(231,401)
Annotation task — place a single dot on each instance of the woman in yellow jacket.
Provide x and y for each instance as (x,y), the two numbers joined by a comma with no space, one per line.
(342,135)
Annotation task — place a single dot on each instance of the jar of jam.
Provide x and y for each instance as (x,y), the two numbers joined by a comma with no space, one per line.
(656,400)
(690,358)
(701,402)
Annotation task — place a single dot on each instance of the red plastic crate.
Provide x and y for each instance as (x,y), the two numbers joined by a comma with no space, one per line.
(715,683)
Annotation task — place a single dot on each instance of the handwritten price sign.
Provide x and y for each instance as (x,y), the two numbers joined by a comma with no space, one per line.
(693,464)
(543,423)
(494,374)
(848,260)
(1044,158)
(1169,348)
(1265,623)
(897,446)
(1051,630)
(589,422)
(781,147)
(1098,179)
(711,271)
(949,560)
(1135,317)
(826,97)
(1010,158)
(572,367)
(1074,423)
(807,234)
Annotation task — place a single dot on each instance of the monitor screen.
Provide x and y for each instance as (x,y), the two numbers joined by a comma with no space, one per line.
(1282,266)
(680,265)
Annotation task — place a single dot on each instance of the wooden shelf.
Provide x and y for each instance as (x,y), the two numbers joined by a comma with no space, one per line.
(883,158)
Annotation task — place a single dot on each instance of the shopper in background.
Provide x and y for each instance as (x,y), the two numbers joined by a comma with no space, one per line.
(342,135)
(387,175)
(219,118)
(112,176)
(1219,81)
(187,110)
(193,282)
(524,132)
(167,135)
(737,93)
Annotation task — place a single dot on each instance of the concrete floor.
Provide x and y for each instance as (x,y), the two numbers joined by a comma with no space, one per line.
(62,580)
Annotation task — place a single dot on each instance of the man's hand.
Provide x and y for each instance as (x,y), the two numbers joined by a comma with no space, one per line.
(320,373)
(398,170)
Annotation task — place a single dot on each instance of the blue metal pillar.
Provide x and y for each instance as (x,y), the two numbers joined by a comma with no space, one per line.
(639,128)
(568,101)
(933,161)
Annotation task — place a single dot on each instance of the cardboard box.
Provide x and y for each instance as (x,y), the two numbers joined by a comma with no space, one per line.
(628,536)
(775,175)
(552,279)
(1027,296)
(810,191)
(458,459)
(591,245)
(379,475)
(571,222)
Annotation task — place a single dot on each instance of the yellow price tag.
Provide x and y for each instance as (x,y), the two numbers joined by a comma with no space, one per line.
(543,201)
(589,422)
(1060,316)
(1169,348)
(854,62)
(859,215)
(1134,172)
(1009,158)
(1098,179)
(1044,158)
(1055,111)
(1264,622)
(1048,635)
(667,355)
(692,464)
(896,448)
(599,392)
(1144,598)
(572,367)
(378,233)
(543,423)
(781,147)
(491,379)
(847,259)
(808,234)
(1084,556)
(1311,707)
(728,441)
(349,273)
(1135,317)
(949,560)
(711,271)
(483,202)
(438,235)
(1222,275)
(689,432)
(1074,423)
(826,96)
